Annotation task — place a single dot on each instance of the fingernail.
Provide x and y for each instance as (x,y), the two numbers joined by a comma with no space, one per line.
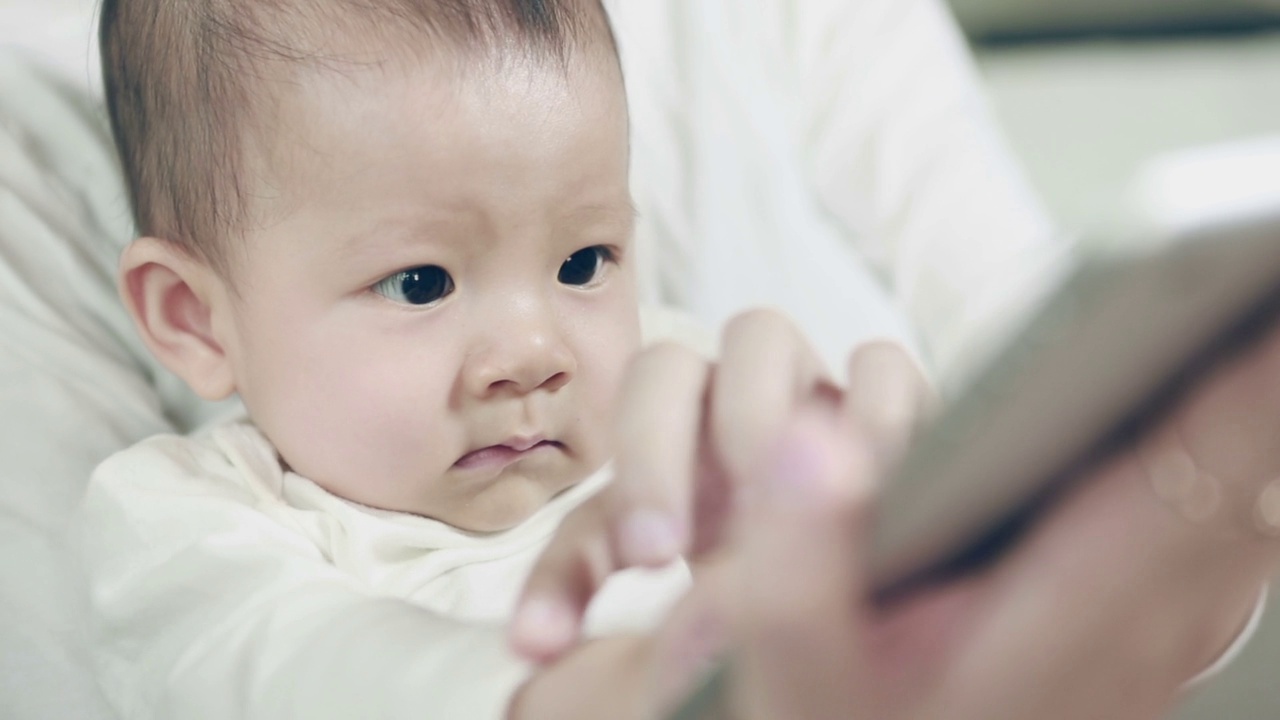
(543,627)
(650,537)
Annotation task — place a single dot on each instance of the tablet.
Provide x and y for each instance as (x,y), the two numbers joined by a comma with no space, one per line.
(1116,344)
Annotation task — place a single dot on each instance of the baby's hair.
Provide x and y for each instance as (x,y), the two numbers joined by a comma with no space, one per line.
(179,77)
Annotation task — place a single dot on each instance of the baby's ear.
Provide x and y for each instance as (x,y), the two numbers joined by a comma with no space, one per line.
(176,300)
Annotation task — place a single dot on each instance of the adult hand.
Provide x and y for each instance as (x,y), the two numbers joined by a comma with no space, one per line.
(1134,582)
(1105,610)
(687,430)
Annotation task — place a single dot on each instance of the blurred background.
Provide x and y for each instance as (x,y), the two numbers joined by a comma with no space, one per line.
(1088,92)
(1091,91)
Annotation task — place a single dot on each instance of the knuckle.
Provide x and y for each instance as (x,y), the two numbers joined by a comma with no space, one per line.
(665,383)
(758,323)
(885,349)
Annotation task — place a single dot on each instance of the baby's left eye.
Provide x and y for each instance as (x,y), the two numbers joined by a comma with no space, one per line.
(584,266)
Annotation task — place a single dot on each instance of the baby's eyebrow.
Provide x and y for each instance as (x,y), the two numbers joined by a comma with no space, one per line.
(620,213)
(390,234)
(625,208)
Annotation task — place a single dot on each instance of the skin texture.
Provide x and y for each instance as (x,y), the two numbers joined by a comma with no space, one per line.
(495,176)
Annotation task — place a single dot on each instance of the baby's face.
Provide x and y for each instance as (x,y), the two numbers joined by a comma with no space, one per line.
(436,316)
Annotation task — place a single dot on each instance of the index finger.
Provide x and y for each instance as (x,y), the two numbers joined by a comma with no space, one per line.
(641,518)
(659,428)
(766,371)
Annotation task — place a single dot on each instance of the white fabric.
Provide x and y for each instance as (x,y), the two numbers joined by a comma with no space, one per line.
(227,588)
(74,386)
(831,157)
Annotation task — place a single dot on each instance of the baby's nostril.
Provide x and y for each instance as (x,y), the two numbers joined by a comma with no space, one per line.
(555,382)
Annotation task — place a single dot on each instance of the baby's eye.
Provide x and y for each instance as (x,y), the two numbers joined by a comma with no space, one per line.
(418,286)
(584,266)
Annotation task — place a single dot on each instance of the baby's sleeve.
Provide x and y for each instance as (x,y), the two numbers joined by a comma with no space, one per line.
(206,607)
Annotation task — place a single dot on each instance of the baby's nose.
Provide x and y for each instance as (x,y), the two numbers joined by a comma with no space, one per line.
(532,357)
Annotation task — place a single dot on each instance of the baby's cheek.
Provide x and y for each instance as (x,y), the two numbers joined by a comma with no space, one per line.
(605,392)
(398,424)
(366,432)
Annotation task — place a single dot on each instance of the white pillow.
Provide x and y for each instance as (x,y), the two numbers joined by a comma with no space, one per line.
(75,384)
(59,33)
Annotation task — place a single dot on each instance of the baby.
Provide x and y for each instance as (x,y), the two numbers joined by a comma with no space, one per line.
(401,232)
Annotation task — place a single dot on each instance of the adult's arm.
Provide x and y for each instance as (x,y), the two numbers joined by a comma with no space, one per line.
(835,159)
(902,147)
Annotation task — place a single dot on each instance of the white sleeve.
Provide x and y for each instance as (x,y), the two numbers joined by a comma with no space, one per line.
(903,150)
(835,159)
(208,607)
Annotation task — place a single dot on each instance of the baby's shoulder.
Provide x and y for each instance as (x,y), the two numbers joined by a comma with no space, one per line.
(231,460)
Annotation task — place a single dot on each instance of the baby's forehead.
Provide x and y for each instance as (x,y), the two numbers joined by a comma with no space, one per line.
(328,69)
(498,142)
(315,39)
(320,110)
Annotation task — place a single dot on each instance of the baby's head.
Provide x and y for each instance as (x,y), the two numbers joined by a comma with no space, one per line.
(399,229)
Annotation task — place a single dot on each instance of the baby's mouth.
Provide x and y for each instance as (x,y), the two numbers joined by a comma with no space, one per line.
(500,456)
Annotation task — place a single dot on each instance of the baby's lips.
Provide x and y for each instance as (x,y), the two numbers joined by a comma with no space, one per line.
(522,443)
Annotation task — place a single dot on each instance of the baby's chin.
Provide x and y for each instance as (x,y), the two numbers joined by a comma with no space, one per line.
(507,503)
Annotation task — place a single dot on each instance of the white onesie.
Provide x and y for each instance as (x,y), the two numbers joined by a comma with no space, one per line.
(226,587)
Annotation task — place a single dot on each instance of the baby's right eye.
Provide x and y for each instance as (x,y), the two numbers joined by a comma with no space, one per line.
(417,286)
